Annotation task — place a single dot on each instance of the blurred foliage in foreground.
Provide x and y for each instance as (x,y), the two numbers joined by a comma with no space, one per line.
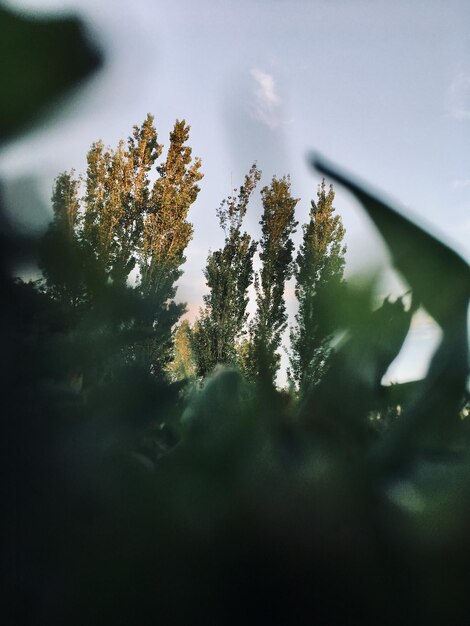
(40,59)
(136,500)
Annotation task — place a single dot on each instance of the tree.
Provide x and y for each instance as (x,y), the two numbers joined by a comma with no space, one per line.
(166,234)
(183,365)
(65,261)
(319,272)
(278,225)
(126,224)
(117,199)
(228,273)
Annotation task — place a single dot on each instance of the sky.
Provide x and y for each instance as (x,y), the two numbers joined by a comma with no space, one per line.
(381,88)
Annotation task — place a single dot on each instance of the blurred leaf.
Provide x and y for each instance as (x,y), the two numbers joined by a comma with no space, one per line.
(440,281)
(424,261)
(40,59)
(351,387)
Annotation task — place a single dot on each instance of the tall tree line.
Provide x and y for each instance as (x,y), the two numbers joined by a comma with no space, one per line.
(223,334)
(124,228)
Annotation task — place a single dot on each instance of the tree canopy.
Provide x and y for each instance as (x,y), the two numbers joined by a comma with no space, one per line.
(278,225)
(319,269)
(128,232)
(228,273)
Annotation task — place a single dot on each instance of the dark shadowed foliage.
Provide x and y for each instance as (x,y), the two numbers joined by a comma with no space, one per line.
(131,500)
(40,60)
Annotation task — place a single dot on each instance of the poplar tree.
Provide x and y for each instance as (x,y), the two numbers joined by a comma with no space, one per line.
(132,218)
(278,225)
(165,236)
(117,199)
(319,271)
(166,231)
(228,273)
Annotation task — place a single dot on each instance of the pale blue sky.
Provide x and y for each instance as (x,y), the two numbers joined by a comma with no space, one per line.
(380,87)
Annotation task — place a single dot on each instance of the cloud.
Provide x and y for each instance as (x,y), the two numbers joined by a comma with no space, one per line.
(460,183)
(459,97)
(266,107)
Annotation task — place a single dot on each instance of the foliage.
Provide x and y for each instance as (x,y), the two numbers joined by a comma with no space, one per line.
(424,262)
(319,272)
(41,60)
(125,501)
(182,366)
(166,232)
(228,273)
(124,223)
(143,500)
(117,199)
(277,224)
(72,273)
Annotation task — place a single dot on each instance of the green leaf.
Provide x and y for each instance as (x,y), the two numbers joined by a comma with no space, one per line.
(440,281)
(40,59)
(424,261)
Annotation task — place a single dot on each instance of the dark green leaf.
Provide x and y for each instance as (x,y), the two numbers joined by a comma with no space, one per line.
(40,59)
